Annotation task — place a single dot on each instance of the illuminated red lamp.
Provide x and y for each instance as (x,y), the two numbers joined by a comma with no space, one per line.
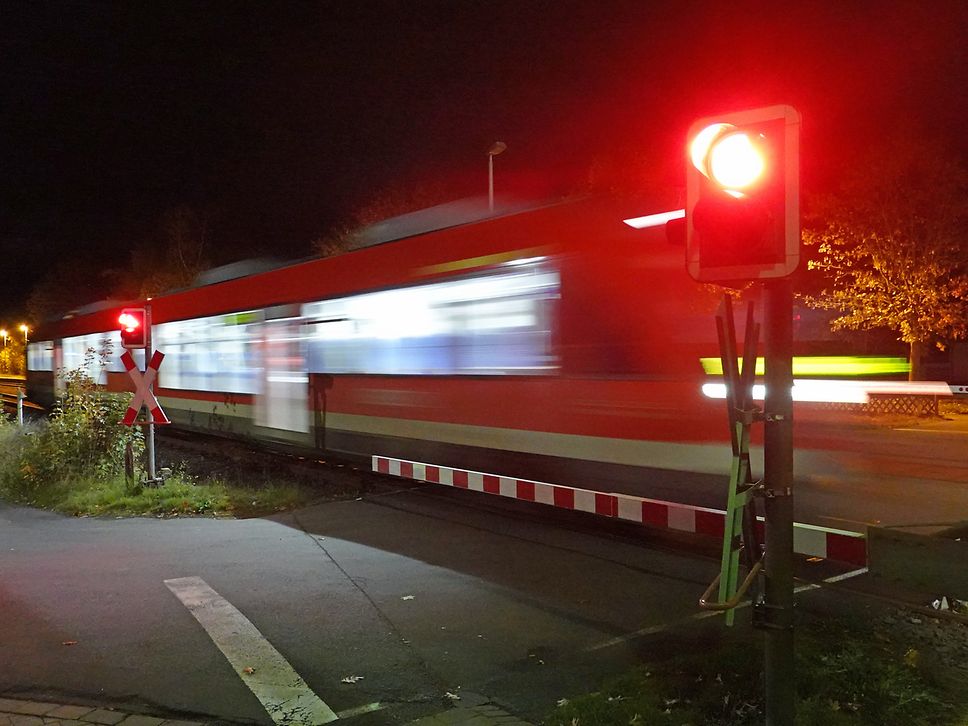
(742,196)
(133,329)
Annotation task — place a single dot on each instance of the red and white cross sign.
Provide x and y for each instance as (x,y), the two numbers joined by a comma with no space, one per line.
(143,395)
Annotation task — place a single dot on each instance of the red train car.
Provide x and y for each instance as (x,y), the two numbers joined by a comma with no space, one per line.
(556,343)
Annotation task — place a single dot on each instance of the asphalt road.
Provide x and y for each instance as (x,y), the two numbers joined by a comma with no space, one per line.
(911,473)
(408,596)
(849,472)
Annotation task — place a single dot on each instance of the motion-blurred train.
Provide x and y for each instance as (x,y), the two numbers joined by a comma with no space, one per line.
(561,343)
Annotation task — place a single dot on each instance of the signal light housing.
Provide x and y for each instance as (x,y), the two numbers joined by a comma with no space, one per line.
(742,196)
(134,329)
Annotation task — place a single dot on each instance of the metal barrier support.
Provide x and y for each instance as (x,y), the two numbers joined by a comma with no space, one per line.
(731,603)
(739,533)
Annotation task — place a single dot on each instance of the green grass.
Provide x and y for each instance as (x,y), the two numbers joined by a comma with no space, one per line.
(178,496)
(637,698)
(26,478)
(846,676)
(87,494)
(267,498)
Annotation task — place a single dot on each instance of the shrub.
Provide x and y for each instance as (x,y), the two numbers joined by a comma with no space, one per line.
(12,443)
(82,438)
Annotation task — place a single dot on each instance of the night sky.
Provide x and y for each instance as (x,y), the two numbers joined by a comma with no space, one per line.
(277,120)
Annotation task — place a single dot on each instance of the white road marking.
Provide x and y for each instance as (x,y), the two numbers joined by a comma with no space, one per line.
(283,693)
(847,575)
(360,710)
(652,630)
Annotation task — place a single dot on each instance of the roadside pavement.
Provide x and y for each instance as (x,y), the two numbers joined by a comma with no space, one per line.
(14,712)
(473,711)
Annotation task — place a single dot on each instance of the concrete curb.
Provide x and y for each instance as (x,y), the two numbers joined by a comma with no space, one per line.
(16,712)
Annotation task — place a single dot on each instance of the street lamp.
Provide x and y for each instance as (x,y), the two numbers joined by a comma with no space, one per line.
(24,329)
(496,148)
(3,334)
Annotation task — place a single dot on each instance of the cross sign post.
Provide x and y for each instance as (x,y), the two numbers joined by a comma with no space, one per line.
(136,333)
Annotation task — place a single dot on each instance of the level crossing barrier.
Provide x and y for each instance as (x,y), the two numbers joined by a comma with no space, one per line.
(808,539)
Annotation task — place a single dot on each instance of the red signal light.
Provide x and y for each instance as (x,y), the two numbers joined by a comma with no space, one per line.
(742,201)
(735,162)
(133,332)
(129,322)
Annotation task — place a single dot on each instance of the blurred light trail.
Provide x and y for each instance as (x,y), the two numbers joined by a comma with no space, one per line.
(655,220)
(823,391)
(825,365)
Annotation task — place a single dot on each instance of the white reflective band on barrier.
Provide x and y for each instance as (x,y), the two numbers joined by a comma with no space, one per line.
(808,539)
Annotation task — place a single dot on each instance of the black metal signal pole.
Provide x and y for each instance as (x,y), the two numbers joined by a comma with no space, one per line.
(150,437)
(776,608)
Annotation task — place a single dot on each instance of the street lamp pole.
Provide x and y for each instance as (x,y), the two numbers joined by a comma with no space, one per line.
(24,329)
(496,148)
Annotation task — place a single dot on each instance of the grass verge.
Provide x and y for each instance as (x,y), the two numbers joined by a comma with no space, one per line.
(848,674)
(177,496)
(180,495)
(85,491)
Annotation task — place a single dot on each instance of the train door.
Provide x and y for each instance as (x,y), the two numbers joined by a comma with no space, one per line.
(283,401)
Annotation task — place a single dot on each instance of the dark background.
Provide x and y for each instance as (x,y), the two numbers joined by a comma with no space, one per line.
(279,120)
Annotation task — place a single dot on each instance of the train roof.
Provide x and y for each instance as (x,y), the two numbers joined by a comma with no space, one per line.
(439,237)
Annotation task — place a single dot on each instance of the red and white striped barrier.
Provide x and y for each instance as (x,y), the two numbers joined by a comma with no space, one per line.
(808,539)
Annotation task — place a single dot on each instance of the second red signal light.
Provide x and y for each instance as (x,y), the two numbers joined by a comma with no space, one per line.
(134,332)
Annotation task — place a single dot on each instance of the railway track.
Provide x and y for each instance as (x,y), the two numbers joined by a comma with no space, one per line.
(11,391)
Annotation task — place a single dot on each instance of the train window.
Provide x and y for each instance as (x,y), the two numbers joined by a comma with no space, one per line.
(40,356)
(218,353)
(500,322)
(94,353)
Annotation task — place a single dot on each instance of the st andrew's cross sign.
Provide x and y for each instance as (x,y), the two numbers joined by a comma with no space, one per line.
(143,395)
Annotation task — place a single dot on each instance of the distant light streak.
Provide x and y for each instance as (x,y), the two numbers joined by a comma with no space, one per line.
(824,391)
(825,365)
(655,220)
(524,261)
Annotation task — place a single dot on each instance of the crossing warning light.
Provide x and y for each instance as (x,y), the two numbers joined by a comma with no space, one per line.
(133,328)
(742,195)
